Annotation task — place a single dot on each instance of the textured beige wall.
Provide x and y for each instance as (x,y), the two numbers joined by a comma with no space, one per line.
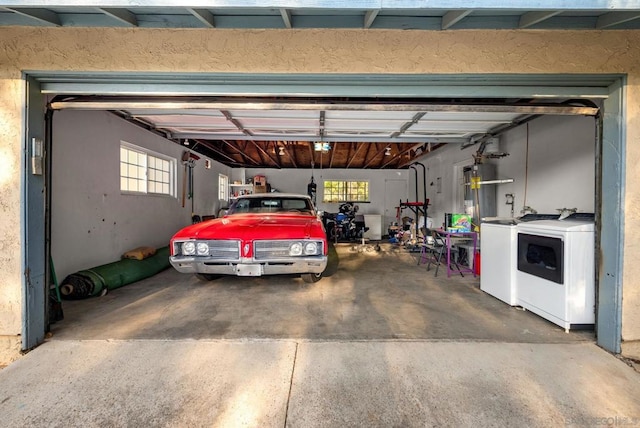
(11,107)
(306,51)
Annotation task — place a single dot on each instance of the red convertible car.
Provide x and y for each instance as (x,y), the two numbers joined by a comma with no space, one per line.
(261,234)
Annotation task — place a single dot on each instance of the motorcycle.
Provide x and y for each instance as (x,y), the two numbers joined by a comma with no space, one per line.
(345,225)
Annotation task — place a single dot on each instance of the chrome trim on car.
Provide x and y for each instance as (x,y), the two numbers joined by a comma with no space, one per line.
(272,250)
(297,265)
(219,250)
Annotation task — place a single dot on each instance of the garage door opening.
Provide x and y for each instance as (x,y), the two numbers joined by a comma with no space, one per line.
(607,94)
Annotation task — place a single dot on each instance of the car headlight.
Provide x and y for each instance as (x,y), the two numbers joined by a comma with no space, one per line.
(311,248)
(295,249)
(188,248)
(202,248)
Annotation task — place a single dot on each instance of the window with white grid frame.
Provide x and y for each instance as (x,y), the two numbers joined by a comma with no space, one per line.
(143,171)
(223,187)
(345,190)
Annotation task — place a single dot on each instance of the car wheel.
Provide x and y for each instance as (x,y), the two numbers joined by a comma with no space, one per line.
(311,277)
(206,277)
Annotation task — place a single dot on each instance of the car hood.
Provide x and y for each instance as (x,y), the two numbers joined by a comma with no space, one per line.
(255,226)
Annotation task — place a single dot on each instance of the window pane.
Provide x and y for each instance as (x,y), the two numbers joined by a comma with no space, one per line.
(145,173)
(132,184)
(223,188)
(340,191)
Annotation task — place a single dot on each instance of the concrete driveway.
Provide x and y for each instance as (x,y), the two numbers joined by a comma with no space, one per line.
(380,342)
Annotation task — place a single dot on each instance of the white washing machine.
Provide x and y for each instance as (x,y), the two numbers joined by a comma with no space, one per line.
(498,260)
(555,276)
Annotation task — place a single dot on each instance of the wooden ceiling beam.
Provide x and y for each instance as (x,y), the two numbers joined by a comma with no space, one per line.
(250,151)
(276,150)
(333,151)
(355,155)
(397,158)
(215,149)
(349,146)
(361,155)
(312,154)
(290,153)
(366,154)
(261,150)
(241,153)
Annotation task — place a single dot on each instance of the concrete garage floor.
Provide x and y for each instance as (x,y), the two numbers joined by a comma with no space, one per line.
(365,296)
(379,342)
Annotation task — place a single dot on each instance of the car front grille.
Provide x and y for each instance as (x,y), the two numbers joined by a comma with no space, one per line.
(224,250)
(267,250)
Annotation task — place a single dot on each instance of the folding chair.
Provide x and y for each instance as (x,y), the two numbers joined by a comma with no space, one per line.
(440,244)
(428,250)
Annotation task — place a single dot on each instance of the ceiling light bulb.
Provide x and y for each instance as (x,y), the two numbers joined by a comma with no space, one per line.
(186,142)
(281,151)
(388,151)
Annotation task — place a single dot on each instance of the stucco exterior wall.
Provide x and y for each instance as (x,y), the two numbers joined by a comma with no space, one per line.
(305,51)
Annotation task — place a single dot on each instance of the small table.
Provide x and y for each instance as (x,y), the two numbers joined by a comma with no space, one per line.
(450,237)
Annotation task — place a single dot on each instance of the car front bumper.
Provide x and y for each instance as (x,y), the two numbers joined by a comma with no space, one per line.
(250,267)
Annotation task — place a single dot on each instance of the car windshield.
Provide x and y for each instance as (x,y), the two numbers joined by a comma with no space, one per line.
(271,204)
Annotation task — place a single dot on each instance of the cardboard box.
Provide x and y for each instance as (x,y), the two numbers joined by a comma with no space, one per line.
(259,180)
(259,189)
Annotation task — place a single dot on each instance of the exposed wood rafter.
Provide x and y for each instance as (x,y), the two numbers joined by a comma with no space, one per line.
(216,150)
(333,150)
(397,157)
(355,155)
(264,152)
(375,155)
(290,153)
(242,153)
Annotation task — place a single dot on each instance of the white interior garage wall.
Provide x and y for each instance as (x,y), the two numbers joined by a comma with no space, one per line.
(296,180)
(559,171)
(93,223)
